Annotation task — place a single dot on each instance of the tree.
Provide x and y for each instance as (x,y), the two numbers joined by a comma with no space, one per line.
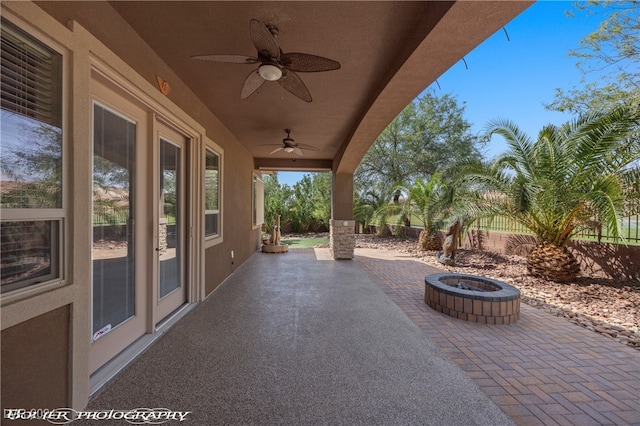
(389,159)
(306,206)
(276,200)
(428,135)
(321,197)
(570,178)
(444,138)
(32,162)
(611,53)
(310,206)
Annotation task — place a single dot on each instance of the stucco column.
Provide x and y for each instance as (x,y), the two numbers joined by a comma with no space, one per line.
(342,226)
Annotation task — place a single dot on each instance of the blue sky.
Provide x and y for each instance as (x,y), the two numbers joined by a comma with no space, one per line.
(513,79)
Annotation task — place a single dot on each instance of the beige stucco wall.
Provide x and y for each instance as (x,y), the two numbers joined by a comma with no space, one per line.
(91,34)
(35,366)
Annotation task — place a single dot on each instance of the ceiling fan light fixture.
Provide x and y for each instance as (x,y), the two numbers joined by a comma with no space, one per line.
(288,149)
(270,72)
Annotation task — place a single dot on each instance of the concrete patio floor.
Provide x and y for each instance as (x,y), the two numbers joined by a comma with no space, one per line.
(299,339)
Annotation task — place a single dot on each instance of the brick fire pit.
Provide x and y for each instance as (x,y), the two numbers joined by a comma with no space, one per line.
(472,298)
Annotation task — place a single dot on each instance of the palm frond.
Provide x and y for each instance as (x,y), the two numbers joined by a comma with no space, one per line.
(571,175)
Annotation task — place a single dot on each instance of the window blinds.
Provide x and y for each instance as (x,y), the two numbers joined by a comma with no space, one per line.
(31,77)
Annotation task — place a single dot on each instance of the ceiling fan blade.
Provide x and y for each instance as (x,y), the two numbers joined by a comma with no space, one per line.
(276,150)
(294,84)
(303,62)
(263,40)
(251,84)
(307,147)
(229,59)
(298,151)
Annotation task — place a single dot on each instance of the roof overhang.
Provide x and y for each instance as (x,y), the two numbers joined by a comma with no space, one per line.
(389,53)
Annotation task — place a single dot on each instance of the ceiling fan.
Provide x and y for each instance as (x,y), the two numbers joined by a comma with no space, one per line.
(289,145)
(274,65)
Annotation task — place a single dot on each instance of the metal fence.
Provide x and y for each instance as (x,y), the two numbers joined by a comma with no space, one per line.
(630,228)
(117,216)
(110,216)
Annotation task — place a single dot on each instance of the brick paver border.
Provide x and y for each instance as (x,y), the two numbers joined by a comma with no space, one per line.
(541,370)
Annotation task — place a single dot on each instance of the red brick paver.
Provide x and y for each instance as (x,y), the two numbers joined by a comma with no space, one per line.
(541,370)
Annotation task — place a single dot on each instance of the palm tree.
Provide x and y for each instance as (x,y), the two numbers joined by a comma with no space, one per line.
(427,202)
(368,204)
(571,177)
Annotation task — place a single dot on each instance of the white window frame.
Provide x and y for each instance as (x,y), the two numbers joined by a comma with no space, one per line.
(211,148)
(257,200)
(58,276)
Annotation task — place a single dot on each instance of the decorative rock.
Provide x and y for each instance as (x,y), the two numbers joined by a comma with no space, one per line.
(581,302)
(603,330)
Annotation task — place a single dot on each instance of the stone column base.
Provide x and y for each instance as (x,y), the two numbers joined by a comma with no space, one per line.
(343,238)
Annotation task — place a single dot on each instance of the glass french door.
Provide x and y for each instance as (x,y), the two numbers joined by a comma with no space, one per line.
(170,292)
(118,306)
(140,222)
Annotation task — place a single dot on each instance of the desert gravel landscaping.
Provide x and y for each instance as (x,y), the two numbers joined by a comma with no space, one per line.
(605,306)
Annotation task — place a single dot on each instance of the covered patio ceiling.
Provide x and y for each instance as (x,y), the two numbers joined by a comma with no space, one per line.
(389,53)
